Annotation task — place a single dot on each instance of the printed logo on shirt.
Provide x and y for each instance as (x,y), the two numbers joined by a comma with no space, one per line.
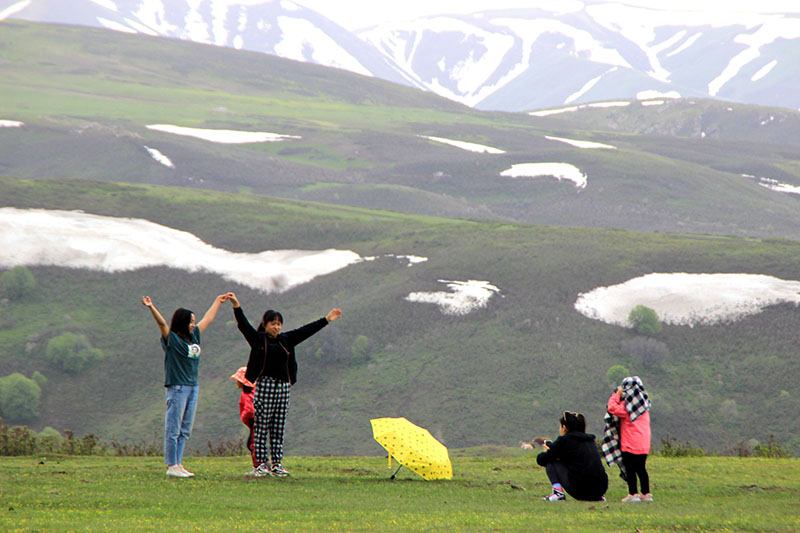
(194,351)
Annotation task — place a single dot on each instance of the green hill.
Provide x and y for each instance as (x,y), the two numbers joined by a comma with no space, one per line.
(86,96)
(496,375)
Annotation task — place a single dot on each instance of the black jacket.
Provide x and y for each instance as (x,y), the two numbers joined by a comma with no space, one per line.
(578,452)
(274,357)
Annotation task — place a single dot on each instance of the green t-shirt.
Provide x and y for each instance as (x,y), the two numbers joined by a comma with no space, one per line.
(181,359)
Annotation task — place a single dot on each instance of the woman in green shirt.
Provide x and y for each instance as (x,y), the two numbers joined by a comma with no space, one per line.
(181,344)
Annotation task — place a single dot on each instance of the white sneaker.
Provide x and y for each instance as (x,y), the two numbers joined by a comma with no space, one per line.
(252,472)
(631,498)
(175,471)
(183,469)
(262,470)
(279,471)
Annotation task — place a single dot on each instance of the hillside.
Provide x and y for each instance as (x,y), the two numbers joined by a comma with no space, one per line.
(498,374)
(90,99)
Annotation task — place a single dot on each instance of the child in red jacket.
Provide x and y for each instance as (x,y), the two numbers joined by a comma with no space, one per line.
(631,404)
(246,411)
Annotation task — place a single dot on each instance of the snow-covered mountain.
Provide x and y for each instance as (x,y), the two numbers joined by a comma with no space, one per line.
(500,60)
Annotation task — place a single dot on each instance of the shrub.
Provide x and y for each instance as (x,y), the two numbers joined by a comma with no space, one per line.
(672,448)
(361,349)
(771,450)
(72,352)
(649,351)
(644,320)
(39,378)
(19,398)
(17,282)
(616,374)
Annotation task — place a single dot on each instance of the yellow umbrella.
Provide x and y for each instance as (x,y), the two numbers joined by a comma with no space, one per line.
(413,447)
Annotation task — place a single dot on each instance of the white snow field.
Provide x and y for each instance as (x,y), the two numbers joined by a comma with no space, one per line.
(688,299)
(582,144)
(560,171)
(74,239)
(465,296)
(470,147)
(223,136)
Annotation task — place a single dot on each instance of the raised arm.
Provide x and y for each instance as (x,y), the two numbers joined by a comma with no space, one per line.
(208,318)
(296,336)
(249,332)
(162,324)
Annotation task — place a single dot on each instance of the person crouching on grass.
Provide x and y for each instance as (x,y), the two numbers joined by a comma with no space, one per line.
(632,405)
(272,366)
(181,344)
(246,412)
(573,463)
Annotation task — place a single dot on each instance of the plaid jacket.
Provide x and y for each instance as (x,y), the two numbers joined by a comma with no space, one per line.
(610,445)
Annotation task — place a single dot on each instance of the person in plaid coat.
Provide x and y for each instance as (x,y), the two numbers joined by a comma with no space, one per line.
(631,405)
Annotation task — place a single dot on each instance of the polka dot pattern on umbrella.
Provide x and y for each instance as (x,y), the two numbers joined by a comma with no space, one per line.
(413,447)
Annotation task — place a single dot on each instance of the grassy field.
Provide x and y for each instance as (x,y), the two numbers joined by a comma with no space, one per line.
(70,493)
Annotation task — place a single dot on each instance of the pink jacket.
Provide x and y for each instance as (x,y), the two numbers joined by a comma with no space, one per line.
(634,436)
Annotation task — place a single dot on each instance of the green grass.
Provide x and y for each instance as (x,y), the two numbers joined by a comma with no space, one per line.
(70,493)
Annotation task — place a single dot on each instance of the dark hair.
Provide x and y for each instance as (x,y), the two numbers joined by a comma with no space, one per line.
(573,421)
(180,323)
(269,316)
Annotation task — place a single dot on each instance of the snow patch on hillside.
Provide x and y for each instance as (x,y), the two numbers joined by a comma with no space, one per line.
(465,296)
(470,147)
(158,156)
(14,9)
(301,36)
(582,144)
(560,171)
(570,109)
(763,71)
(74,239)
(688,299)
(223,136)
(775,28)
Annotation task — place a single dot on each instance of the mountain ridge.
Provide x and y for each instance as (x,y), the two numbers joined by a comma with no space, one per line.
(511,60)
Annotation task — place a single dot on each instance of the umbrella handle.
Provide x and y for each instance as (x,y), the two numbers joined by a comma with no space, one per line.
(396,471)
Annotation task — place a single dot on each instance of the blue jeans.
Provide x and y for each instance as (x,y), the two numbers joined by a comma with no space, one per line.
(181,405)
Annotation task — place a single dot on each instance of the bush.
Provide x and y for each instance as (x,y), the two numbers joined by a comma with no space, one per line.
(361,349)
(19,398)
(39,378)
(771,450)
(616,374)
(672,448)
(649,351)
(17,282)
(644,320)
(72,352)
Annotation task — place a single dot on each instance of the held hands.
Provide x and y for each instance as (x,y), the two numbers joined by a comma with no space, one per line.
(333,315)
(233,299)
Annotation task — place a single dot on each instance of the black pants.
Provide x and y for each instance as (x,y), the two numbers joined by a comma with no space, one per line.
(635,466)
(558,473)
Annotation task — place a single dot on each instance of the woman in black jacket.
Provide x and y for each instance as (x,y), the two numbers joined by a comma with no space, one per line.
(272,366)
(573,462)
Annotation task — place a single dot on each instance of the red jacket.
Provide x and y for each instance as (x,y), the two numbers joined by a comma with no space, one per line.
(634,436)
(246,411)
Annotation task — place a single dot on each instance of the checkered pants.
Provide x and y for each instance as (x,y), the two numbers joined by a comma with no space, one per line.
(270,403)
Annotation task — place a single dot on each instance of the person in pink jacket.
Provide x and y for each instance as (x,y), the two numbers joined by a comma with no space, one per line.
(246,411)
(631,404)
